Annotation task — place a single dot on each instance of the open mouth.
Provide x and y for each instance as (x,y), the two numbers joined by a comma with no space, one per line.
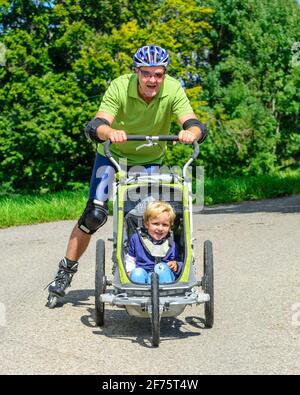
(151,90)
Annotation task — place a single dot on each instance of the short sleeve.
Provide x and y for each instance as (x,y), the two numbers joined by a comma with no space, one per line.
(111,100)
(181,104)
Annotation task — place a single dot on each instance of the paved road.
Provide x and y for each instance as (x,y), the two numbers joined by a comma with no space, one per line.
(257,310)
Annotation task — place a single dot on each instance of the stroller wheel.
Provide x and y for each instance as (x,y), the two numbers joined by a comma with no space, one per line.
(208,283)
(100,282)
(155,321)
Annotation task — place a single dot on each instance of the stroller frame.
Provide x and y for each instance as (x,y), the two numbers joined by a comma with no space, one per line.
(138,299)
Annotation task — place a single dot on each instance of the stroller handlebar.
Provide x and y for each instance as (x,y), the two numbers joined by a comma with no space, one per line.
(151,140)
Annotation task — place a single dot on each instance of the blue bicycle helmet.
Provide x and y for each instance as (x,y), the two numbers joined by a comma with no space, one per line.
(151,55)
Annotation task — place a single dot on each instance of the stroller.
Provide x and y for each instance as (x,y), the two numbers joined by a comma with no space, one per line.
(131,194)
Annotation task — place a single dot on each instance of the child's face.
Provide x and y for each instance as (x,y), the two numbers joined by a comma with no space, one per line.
(158,227)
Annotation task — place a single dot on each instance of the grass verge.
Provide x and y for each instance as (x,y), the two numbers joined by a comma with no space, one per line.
(218,190)
(31,209)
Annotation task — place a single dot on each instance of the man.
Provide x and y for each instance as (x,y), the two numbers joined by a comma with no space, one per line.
(142,104)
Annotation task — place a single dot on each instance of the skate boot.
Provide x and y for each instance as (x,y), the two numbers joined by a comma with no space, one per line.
(63,278)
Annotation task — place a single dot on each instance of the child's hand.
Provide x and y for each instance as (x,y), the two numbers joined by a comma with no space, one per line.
(172,265)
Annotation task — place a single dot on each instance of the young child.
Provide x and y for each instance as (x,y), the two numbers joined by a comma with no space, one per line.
(151,247)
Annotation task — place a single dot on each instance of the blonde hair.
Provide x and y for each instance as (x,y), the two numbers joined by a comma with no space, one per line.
(155,209)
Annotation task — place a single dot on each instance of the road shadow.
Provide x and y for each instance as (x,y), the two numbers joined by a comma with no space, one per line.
(284,205)
(120,325)
(77,298)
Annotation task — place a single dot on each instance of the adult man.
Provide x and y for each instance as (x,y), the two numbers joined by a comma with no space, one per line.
(141,103)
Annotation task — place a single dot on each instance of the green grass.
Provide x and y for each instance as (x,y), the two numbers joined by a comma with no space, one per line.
(32,209)
(218,190)
(21,209)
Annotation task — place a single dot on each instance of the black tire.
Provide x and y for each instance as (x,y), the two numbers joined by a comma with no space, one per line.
(100,282)
(155,321)
(208,283)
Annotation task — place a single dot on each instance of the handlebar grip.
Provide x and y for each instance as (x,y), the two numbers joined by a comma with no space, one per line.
(168,138)
(136,138)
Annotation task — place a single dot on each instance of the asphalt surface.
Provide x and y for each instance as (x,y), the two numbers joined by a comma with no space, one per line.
(257,302)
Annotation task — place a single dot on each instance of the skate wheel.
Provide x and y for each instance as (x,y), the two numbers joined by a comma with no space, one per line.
(52,301)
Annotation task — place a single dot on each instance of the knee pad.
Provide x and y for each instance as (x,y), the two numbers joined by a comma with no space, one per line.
(165,274)
(94,216)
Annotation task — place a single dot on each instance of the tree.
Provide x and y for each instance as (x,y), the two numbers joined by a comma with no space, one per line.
(61,56)
(237,60)
(250,83)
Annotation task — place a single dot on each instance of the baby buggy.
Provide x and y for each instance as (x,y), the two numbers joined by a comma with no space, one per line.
(132,192)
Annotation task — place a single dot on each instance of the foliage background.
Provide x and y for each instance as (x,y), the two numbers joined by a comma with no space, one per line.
(238,60)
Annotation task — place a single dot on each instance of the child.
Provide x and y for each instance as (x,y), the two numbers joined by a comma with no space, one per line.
(151,247)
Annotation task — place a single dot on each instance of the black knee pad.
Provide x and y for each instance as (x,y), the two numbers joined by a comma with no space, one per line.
(94,216)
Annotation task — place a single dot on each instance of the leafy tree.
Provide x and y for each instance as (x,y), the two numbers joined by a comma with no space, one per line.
(61,56)
(234,57)
(252,87)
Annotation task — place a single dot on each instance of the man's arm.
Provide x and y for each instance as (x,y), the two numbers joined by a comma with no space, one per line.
(192,129)
(99,129)
(105,132)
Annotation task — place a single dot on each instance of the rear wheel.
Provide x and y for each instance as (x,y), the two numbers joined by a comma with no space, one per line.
(208,283)
(155,309)
(100,282)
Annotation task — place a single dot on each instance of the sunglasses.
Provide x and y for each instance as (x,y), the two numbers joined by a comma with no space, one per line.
(147,75)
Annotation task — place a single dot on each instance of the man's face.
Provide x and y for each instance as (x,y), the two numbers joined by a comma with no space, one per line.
(150,80)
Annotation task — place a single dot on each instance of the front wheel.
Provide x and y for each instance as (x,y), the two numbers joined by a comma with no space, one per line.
(100,282)
(208,283)
(155,309)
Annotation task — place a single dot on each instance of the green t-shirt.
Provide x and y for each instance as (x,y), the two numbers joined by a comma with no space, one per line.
(135,116)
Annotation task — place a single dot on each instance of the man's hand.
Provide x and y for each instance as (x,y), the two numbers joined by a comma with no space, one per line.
(105,132)
(173,265)
(186,136)
(189,133)
(117,136)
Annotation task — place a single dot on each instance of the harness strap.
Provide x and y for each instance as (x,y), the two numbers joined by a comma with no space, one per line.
(155,250)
